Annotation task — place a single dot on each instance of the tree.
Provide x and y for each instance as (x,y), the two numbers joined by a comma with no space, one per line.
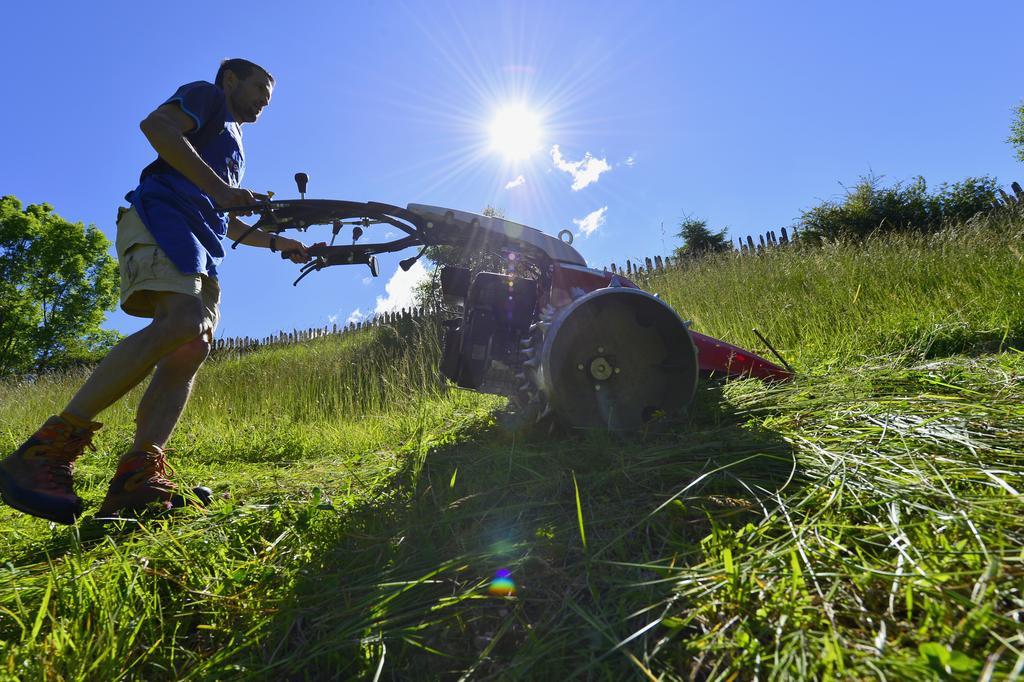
(1017,131)
(428,292)
(698,239)
(56,282)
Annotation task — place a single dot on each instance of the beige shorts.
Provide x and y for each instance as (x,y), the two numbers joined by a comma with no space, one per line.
(146,270)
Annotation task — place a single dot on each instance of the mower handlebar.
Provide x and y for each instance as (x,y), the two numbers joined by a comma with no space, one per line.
(276,216)
(359,253)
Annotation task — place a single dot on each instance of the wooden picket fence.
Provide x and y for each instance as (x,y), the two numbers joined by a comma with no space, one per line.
(648,266)
(246,344)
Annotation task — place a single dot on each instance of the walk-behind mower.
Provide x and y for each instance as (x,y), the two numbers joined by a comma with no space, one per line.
(559,338)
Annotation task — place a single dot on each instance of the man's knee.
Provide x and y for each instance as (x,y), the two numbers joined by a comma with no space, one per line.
(190,355)
(181,320)
(180,331)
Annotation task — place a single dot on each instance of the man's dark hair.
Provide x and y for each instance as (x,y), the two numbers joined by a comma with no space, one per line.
(242,68)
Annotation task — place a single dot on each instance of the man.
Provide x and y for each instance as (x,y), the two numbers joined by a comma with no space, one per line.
(168,245)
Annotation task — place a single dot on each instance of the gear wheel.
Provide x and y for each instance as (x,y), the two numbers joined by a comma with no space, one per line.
(615,358)
(527,402)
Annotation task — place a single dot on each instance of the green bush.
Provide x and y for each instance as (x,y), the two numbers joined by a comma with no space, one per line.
(869,208)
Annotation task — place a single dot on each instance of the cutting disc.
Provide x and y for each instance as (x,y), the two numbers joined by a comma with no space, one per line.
(617,359)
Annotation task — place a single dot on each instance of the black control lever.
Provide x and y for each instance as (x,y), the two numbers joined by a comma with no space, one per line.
(320,264)
(301,179)
(268,216)
(234,245)
(316,264)
(409,262)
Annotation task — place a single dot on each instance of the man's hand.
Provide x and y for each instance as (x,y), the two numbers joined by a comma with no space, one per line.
(231,197)
(294,250)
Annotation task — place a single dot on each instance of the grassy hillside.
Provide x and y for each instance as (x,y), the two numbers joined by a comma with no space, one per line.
(898,295)
(863,521)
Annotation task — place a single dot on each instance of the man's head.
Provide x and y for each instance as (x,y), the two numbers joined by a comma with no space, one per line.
(247,86)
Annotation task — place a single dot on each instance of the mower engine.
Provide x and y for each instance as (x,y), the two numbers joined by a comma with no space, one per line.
(483,344)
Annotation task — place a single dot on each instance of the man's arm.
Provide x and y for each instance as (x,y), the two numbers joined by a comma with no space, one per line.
(295,250)
(165,129)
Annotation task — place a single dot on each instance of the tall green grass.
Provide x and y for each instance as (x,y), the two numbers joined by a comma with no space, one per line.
(265,400)
(861,522)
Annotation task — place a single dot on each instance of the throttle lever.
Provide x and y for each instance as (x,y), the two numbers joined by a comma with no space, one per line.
(268,213)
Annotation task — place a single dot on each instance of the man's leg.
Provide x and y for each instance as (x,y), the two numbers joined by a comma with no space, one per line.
(168,392)
(141,478)
(169,389)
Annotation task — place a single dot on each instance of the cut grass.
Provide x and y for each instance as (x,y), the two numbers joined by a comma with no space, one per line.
(860,522)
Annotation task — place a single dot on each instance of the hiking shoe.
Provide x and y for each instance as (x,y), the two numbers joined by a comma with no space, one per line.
(141,481)
(37,478)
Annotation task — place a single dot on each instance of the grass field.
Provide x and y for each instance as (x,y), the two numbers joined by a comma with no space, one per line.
(862,522)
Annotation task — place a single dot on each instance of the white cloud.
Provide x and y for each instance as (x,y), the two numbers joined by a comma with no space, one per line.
(512,184)
(331,319)
(583,172)
(592,221)
(355,317)
(630,161)
(400,289)
(367,280)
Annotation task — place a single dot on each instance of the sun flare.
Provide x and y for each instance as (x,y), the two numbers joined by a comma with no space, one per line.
(515,132)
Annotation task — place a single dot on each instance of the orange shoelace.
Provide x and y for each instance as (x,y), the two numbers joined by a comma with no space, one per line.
(155,465)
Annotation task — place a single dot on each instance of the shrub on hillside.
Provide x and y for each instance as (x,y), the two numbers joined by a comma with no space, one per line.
(869,207)
(1017,131)
(699,240)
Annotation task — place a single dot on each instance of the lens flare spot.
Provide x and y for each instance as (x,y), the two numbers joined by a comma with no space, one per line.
(502,585)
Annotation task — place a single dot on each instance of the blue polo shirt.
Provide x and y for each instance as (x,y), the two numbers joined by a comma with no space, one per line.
(182,219)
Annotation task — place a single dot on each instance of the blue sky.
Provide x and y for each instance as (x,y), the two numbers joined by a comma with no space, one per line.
(740,113)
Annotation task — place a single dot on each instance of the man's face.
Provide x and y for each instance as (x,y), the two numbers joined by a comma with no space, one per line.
(249,96)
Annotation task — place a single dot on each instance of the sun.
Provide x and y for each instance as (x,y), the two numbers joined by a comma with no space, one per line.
(515,132)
